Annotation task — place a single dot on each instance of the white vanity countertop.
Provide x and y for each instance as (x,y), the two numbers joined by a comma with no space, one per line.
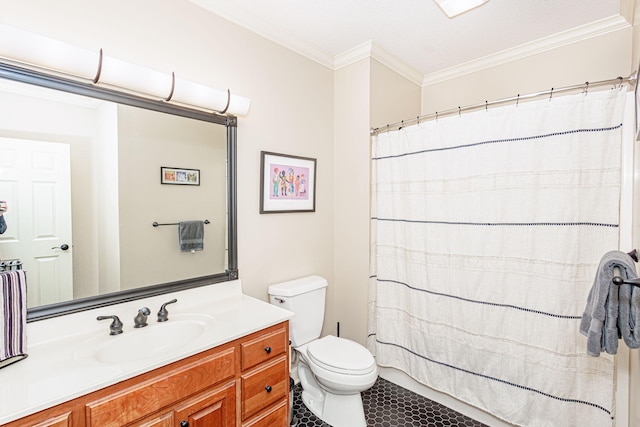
(56,371)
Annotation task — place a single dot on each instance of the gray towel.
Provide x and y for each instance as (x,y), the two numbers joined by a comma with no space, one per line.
(600,319)
(629,315)
(191,235)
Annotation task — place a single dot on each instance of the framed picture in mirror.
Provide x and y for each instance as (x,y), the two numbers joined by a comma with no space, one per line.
(287,183)
(179,176)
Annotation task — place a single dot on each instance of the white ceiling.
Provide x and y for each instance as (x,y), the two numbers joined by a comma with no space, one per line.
(414,36)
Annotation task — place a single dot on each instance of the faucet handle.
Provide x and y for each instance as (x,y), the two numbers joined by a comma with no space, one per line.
(140,321)
(163,314)
(115,327)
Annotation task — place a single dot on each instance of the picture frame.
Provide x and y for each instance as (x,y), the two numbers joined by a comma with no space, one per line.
(179,176)
(287,183)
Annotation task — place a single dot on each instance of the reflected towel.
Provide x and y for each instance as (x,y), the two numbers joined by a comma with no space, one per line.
(191,235)
(600,319)
(13,317)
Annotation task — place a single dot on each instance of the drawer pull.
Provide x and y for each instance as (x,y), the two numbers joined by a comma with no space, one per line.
(267,349)
(184,423)
(268,388)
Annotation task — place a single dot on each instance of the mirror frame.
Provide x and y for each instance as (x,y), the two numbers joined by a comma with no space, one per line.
(21,74)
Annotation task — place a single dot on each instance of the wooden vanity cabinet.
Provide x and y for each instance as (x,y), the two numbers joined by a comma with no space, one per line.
(241,383)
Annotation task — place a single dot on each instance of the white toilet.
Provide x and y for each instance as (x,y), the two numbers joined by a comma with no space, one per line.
(333,371)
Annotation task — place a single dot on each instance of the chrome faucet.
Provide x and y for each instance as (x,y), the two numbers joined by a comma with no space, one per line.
(115,327)
(163,314)
(140,321)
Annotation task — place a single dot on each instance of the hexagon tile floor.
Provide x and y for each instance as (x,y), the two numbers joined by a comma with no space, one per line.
(389,405)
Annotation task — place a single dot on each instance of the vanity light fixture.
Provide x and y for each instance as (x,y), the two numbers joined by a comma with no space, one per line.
(42,53)
(455,7)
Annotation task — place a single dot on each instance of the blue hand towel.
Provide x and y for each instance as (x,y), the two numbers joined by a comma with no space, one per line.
(599,322)
(191,236)
(13,317)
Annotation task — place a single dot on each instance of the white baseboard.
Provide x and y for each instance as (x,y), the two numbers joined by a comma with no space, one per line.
(403,380)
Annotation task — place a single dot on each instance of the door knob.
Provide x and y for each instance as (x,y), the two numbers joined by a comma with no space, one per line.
(64,247)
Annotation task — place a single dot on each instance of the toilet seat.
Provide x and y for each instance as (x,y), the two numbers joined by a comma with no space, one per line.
(341,356)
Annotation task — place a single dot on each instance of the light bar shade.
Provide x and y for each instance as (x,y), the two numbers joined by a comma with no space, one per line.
(191,93)
(35,51)
(120,73)
(31,49)
(455,7)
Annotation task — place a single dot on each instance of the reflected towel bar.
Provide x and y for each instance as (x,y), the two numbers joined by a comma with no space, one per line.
(155,224)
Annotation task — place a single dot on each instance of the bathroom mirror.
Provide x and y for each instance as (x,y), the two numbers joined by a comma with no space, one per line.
(97,182)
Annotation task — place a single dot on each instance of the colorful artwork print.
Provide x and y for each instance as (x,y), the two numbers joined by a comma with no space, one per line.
(179,176)
(289,182)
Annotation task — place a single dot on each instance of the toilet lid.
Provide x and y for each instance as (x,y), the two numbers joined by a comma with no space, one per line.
(340,355)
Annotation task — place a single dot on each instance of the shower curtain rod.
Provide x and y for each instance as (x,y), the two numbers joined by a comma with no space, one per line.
(631,80)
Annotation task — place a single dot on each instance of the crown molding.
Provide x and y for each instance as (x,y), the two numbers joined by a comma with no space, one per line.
(564,38)
(258,26)
(371,50)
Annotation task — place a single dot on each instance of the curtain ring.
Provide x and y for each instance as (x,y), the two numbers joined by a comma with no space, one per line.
(459,112)
(486,105)
(401,124)
(436,116)
(551,94)
(517,100)
(586,88)
(418,120)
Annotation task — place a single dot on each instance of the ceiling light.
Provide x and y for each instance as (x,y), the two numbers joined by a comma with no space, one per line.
(455,7)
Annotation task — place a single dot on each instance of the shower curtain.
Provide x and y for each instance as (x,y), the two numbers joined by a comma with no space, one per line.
(486,233)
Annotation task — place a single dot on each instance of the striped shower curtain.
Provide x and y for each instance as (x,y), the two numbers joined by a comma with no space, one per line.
(486,233)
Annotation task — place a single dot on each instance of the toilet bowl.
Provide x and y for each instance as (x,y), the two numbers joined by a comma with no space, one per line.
(333,371)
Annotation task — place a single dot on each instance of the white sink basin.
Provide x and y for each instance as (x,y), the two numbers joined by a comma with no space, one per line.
(154,339)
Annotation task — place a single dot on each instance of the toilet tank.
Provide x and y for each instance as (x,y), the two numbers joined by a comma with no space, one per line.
(305,297)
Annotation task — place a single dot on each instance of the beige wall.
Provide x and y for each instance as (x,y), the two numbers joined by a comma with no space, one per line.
(291,109)
(147,141)
(367,94)
(598,58)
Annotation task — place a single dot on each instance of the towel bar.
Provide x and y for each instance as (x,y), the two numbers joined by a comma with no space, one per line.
(617,280)
(155,224)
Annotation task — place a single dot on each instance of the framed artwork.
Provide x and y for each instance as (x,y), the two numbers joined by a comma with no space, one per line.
(287,183)
(179,176)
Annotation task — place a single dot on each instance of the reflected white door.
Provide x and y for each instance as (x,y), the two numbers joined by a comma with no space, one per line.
(35,182)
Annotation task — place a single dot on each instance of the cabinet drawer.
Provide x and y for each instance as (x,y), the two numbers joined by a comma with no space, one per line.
(64,420)
(263,348)
(264,386)
(274,417)
(132,403)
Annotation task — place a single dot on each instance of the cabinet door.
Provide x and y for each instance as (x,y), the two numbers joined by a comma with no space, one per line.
(215,408)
